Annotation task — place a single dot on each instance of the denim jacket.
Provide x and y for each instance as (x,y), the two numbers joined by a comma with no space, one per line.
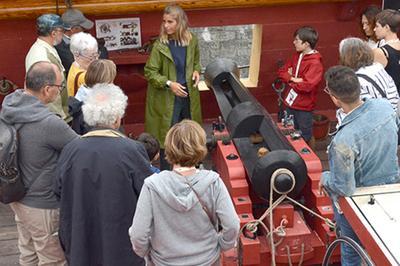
(363,151)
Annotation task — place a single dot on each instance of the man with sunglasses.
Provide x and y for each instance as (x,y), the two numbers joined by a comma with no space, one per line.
(50,29)
(363,151)
(41,137)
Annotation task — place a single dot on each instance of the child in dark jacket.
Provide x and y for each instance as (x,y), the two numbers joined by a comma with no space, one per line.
(302,72)
(152,147)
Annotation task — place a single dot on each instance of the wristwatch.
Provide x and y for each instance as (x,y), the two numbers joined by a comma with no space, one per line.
(168,83)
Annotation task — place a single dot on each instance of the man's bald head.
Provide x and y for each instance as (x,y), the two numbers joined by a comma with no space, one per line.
(39,75)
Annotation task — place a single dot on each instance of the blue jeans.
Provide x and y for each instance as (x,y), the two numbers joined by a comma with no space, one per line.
(349,256)
(303,121)
(181,109)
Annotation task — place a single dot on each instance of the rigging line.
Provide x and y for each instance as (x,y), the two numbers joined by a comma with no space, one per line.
(326,220)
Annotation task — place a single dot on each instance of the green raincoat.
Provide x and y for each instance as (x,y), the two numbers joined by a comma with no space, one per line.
(159,68)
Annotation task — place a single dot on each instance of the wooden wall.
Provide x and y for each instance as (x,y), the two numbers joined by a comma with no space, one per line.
(333,20)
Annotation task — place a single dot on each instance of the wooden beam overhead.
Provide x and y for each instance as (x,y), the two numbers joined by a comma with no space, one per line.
(28,9)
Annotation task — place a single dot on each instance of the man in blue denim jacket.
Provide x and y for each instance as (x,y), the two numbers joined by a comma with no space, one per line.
(363,151)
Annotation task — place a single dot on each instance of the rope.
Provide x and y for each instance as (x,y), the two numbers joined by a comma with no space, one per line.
(290,258)
(302,254)
(271,221)
(326,220)
(252,226)
(288,255)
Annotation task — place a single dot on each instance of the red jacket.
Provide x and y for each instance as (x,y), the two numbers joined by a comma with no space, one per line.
(304,94)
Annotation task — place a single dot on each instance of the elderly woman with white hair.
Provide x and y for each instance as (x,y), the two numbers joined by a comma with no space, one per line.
(99,177)
(84,48)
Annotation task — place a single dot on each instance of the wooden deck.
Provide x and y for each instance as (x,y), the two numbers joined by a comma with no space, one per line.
(8,231)
(8,237)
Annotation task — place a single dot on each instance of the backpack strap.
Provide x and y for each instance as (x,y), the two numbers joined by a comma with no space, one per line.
(370,80)
(76,87)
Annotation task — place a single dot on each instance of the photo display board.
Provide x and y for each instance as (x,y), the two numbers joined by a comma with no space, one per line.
(121,33)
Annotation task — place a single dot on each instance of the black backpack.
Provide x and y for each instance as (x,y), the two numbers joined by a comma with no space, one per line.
(12,187)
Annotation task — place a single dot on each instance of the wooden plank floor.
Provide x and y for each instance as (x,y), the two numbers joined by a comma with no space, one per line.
(8,231)
(8,237)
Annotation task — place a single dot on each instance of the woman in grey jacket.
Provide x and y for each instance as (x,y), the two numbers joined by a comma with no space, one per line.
(179,212)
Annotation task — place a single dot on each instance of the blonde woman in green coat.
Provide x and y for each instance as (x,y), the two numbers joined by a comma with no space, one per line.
(172,72)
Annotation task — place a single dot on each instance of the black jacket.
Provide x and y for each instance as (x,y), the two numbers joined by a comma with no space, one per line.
(67,58)
(99,180)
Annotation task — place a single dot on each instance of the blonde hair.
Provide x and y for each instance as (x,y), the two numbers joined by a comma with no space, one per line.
(185,144)
(100,71)
(182,34)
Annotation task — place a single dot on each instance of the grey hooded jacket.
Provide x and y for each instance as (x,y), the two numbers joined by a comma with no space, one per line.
(42,135)
(171,226)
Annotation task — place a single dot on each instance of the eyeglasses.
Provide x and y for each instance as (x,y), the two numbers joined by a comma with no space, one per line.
(91,57)
(59,87)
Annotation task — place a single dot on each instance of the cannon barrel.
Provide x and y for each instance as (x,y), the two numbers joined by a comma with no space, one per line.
(266,153)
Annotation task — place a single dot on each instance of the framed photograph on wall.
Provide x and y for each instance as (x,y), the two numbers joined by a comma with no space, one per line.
(121,33)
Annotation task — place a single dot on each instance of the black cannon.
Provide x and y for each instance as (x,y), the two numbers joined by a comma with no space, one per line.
(266,153)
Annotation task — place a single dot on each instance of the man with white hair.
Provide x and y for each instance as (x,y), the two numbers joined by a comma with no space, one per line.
(99,179)
(84,48)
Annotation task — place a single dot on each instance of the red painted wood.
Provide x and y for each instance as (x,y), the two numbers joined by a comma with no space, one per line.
(279,23)
(312,233)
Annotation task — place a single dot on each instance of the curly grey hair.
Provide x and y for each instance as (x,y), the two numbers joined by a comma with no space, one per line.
(104,105)
(355,53)
(81,43)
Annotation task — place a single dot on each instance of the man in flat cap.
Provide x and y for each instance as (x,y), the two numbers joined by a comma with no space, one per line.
(75,22)
(50,29)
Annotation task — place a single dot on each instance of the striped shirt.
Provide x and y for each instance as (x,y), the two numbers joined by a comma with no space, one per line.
(378,74)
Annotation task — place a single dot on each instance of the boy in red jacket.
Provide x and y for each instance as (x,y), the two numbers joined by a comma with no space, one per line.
(303,72)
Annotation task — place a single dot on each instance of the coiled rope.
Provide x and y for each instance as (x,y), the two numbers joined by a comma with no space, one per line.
(252,226)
